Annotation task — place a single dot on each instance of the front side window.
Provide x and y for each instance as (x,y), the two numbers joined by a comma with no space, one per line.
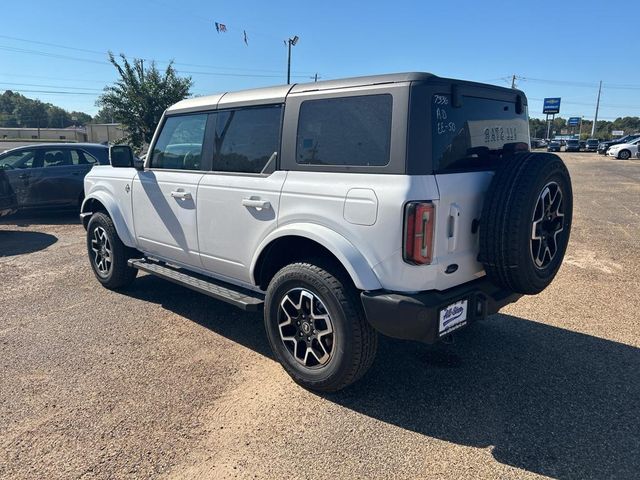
(246,139)
(19,159)
(475,135)
(346,131)
(179,145)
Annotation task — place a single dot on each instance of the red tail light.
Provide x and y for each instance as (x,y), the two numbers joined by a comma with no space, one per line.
(419,221)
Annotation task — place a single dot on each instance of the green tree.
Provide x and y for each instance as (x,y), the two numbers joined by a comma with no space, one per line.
(57,117)
(30,113)
(104,115)
(139,97)
(79,118)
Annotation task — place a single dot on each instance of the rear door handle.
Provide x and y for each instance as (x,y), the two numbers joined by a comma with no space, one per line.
(24,176)
(181,195)
(254,202)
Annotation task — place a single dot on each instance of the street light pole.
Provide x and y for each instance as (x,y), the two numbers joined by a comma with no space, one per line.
(291,42)
(595,119)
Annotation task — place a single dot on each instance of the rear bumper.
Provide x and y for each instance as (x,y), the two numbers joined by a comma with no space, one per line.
(417,316)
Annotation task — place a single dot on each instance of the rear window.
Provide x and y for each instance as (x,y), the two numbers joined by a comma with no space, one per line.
(477,134)
(347,131)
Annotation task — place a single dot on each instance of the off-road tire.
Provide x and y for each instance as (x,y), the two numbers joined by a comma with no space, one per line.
(120,274)
(355,341)
(507,221)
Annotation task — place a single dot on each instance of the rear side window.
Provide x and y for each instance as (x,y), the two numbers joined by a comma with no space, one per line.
(57,158)
(349,131)
(78,157)
(477,134)
(247,138)
(179,146)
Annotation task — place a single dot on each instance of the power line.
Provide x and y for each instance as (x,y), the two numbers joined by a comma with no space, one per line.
(50,86)
(51,92)
(98,52)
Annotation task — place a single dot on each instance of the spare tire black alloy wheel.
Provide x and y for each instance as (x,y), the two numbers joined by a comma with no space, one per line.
(526,222)
(305,328)
(547,224)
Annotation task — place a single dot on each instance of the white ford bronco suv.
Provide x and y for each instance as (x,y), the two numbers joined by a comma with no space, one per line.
(405,204)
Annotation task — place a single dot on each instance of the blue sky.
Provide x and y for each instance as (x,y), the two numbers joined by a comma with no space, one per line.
(555,48)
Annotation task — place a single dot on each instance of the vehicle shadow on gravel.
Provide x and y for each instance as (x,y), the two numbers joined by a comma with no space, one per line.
(42,217)
(547,400)
(13,242)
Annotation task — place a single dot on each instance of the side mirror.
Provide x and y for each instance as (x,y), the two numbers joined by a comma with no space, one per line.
(121,156)
(138,163)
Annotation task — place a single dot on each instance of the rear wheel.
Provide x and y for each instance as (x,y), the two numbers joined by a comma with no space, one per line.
(107,254)
(624,154)
(316,326)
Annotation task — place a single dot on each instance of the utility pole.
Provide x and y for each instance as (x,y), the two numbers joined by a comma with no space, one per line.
(595,120)
(291,42)
(513,81)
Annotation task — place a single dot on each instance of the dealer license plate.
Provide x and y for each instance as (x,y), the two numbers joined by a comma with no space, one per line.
(453,317)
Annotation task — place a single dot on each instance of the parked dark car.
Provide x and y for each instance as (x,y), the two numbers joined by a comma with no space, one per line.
(553,146)
(572,146)
(51,175)
(592,145)
(604,146)
(8,203)
(583,144)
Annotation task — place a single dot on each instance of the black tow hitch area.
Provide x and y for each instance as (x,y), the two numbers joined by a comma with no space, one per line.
(434,315)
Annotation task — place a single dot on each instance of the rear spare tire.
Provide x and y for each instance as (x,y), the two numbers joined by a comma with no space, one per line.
(526,222)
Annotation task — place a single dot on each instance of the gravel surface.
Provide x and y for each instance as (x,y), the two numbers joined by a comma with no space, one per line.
(159,381)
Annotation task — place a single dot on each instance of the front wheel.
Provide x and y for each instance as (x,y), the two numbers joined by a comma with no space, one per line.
(624,155)
(107,254)
(316,327)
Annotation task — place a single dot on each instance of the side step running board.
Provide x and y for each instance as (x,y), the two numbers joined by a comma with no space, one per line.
(238,296)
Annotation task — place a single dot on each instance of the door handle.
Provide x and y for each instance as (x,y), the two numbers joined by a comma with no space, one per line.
(181,195)
(454,220)
(254,202)
(24,176)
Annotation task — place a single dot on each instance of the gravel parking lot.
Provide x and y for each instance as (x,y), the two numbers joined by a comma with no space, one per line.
(159,381)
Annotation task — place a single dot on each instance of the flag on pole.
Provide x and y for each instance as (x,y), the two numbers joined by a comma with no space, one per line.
(220,27)
(246,40)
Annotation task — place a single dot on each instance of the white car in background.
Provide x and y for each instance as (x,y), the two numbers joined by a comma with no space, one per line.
(624,151)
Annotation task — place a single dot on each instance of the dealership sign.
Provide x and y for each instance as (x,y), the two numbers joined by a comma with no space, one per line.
(551,105)
(573,121)
(617,133)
